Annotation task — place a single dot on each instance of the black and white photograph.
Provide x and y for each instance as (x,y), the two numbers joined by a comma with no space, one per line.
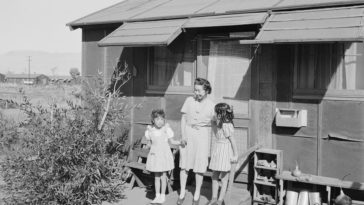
(182,102)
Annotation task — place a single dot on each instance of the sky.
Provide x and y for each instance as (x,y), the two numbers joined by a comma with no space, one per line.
(41,24)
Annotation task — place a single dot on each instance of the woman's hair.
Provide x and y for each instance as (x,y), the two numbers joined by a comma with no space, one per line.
(157,113)
(224,113)
(205,84)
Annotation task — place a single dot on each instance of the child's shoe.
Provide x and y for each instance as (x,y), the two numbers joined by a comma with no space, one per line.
(162,199)
(156,199)
(218,202)
(212,201)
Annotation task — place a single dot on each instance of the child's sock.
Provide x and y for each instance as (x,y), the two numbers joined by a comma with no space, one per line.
(196,196)
(162,198)
(182,194)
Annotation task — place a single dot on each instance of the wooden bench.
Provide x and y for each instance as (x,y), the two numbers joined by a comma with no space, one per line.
(138,162)
(316,181)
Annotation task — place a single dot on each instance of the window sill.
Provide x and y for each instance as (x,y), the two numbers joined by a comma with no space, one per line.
(348,95)
(169,92)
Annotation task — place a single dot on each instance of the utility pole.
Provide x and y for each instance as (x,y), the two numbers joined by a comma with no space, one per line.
(29,70)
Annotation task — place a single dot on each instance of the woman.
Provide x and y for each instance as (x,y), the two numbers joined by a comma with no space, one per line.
(197,114)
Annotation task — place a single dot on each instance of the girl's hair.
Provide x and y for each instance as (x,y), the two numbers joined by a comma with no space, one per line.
(205,84)
(225,113)
(157,113)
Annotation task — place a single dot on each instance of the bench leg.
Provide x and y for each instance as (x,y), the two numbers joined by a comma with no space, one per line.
(136,179)
(132,181)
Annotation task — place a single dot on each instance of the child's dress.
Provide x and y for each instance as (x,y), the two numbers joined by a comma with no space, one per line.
(160,157)
(222,151)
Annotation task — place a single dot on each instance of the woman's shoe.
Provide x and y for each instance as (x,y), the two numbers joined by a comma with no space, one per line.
(196,202)
(180,201)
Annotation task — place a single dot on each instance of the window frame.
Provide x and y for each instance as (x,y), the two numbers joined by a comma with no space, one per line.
(169,89)
(318,94)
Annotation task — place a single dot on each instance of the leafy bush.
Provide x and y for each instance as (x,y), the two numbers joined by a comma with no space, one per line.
(59,156)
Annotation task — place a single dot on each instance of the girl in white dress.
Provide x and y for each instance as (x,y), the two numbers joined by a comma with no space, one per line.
(224,151)
(160,158)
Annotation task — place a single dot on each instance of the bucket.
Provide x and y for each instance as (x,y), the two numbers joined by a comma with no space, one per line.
(314,198)
(303,198)
(291,197)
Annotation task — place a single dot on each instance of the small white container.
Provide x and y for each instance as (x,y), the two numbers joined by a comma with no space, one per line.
(291,117)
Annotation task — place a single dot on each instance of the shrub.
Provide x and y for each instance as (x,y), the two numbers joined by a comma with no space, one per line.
(62,156)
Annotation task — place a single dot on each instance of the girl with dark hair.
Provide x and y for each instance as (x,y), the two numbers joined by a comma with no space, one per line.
(160,158)
(224,151)
(197,114)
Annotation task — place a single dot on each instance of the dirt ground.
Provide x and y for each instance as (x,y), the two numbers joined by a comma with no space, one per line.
(140,196)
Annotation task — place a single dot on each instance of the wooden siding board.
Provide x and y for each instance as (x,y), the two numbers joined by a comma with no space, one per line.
(226,20)
(140,62)
(139,131)
(173,106)
(343,118)
(144,108)
(340,158)
(285,64)
(92,59)
(302,150)
(111,58)
(311,130)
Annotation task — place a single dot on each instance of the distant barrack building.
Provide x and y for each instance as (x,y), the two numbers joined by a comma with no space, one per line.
(61,79)
(32,79)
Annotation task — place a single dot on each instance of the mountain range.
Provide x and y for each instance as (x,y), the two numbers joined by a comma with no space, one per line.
(41,62)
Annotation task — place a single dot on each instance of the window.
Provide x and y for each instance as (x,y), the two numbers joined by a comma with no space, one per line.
(171,68)
(332,69)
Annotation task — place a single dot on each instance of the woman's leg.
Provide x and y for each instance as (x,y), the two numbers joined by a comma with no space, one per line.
(183,180)
(157,186)
(224,180)
(199,179)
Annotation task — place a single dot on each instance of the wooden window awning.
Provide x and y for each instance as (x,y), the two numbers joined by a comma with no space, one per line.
(318,25)
(226,20)
(146,33)
(163,32)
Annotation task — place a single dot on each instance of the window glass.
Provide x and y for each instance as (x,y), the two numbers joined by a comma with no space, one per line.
(335,66)
(171,68)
